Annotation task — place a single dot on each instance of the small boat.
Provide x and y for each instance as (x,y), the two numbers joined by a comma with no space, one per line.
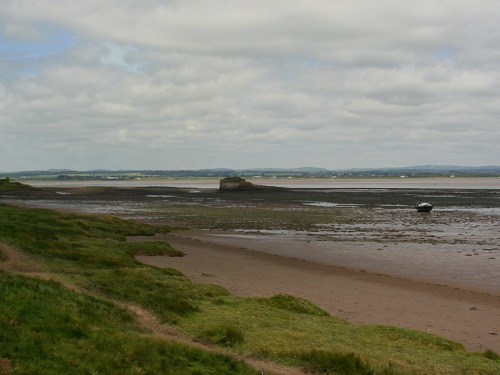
(424,207)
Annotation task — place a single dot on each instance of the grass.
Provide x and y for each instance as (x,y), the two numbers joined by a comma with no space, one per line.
(224,334)
(276,332)
(490,354)
(166,292)
(321,362)
(91,251)
(8,186)
(76,240)
(293,304)
(46,328)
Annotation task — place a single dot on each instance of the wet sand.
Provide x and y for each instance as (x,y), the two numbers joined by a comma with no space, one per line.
(452,239)
(360,297)
(303,183)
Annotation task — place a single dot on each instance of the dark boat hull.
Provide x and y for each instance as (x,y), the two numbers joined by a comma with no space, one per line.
(425,208)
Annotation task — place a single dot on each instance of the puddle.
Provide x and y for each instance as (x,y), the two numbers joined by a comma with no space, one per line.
(330,204)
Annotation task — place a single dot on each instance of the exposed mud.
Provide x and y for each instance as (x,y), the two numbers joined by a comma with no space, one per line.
(376,230)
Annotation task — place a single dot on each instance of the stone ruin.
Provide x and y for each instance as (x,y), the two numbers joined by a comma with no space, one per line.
(235,183)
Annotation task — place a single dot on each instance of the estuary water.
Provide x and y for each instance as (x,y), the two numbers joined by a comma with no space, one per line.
(294,183)
(456,245)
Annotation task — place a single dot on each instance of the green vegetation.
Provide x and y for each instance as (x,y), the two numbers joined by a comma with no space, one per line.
(490,354)
(224,334)
(232,179)
(7,186)
(294,304)
(47,328)
(335,363)
(277,333)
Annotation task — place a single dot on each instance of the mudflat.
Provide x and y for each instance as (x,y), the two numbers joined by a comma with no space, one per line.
(441,268)
(471,318)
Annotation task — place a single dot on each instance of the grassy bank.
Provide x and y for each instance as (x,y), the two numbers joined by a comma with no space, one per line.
(47,328)
(9,186)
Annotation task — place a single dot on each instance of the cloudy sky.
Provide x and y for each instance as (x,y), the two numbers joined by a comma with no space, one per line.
(194,84)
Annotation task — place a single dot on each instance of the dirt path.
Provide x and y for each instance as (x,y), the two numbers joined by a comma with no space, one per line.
(12,260)
(16,262)
(149,320)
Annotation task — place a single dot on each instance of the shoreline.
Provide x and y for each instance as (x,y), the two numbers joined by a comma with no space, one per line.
(296,183)
(368,257)
(357,296)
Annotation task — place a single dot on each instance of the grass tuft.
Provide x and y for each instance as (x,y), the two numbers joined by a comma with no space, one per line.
(490,354)
(224,334)
(152,248)
(323,362)
(294,304)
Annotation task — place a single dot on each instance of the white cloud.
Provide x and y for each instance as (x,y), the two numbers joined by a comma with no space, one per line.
(187,84)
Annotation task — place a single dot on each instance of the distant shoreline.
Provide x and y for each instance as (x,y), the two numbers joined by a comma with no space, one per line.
(306,183)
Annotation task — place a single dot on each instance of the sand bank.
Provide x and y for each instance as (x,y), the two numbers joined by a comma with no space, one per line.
(360,297)
(302,183)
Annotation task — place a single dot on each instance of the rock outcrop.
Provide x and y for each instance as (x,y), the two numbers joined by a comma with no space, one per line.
(235,183)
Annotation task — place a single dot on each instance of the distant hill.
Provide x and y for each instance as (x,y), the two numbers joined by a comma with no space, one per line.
(302,169)
(454,167)
(431,169)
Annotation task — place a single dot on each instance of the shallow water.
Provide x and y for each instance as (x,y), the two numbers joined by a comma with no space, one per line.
(468,267)
(359,183)
(456,245)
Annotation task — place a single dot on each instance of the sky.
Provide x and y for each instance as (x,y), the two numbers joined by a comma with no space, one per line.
(196,84)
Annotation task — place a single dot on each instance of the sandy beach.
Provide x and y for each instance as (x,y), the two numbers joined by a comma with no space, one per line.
(302,183)
(471,318)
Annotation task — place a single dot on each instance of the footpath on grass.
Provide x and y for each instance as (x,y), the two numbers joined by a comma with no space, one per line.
(16,262)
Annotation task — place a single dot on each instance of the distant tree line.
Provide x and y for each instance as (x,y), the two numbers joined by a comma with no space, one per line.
(254,173)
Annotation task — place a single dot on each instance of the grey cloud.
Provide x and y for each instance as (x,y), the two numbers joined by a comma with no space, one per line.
(185,84)
(250,27)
